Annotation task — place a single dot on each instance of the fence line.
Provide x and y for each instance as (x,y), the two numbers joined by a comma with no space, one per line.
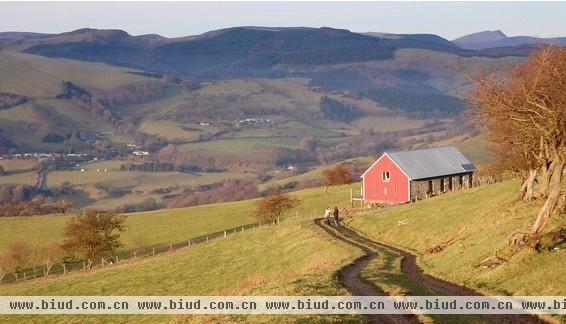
(63,268)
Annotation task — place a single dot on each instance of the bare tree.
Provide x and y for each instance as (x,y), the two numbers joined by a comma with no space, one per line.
(51,254)
(21,254)
(526,113)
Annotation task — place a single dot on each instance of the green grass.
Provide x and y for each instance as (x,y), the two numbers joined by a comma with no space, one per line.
(170,225)
(490,217)
(292,258)
(25,178)
(41,77)
(136,180)
(476,149)
(17,165)
(389,123)
(240,146)
(314,174)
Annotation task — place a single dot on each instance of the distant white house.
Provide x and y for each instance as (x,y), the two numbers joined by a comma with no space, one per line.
(140,153)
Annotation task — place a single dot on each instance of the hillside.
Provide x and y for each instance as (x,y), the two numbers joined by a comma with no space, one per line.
(489,215)
(293,258)
(166,226)
(281,259)
(201,111)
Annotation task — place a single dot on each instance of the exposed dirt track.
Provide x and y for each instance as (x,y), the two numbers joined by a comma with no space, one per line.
(349,276)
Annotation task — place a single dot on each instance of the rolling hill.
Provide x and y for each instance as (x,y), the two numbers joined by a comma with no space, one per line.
(295,258)
(250,100)
(496,38)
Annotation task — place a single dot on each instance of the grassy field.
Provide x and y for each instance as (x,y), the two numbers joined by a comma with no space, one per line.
(240,146)
(166,226)
(314,174)
(41,77)
(293,258)
(136,180)
(489,216)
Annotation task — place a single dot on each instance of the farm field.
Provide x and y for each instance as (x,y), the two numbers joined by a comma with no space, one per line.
(489,215)
(41,77)
(272,260)
(239,146)
(137,180)
(170,225)
(314,174)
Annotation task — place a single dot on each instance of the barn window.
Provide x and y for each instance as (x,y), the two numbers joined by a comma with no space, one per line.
(442,187)
(386,176)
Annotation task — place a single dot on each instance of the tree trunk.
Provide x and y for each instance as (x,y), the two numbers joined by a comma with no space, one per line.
(562,203)
(553,197)
(527,188)
(544,179)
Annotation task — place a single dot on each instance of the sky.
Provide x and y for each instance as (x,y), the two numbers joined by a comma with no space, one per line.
(174,19)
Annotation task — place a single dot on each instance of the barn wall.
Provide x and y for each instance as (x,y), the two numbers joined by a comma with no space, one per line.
(394,191)
(420,188)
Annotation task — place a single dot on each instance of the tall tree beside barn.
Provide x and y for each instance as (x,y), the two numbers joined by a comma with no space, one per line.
(525,116)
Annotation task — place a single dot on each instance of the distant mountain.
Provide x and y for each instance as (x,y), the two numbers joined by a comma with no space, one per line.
(255,51)
(492,39)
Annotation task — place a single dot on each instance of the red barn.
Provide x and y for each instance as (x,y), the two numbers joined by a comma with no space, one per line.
(404,176)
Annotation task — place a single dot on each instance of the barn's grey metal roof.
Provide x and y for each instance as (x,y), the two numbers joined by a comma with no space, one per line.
(432,162)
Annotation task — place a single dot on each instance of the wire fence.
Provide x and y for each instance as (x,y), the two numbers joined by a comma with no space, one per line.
(66,267)
(63,268)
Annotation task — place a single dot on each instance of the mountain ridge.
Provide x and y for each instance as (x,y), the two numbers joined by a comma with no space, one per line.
(493,39)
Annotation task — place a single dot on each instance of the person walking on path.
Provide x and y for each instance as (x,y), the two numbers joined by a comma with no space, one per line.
(336,216)
(327,214)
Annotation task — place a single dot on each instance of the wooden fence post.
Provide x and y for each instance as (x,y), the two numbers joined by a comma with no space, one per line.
(135,256)
(25,277)
(224,233)
(352,197)
(170,247)
(243,229)
(189,242)
(64,268)
(117,258)
(153,251)
(207,238)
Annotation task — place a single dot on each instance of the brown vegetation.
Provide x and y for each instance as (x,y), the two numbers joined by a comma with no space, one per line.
(272,207)
(339,175)
(525,116)
(229,190)
(93,234)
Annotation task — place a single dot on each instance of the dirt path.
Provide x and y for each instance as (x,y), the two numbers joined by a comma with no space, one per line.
(349,276)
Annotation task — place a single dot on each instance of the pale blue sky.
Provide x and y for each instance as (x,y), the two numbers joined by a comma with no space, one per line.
(171,19)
